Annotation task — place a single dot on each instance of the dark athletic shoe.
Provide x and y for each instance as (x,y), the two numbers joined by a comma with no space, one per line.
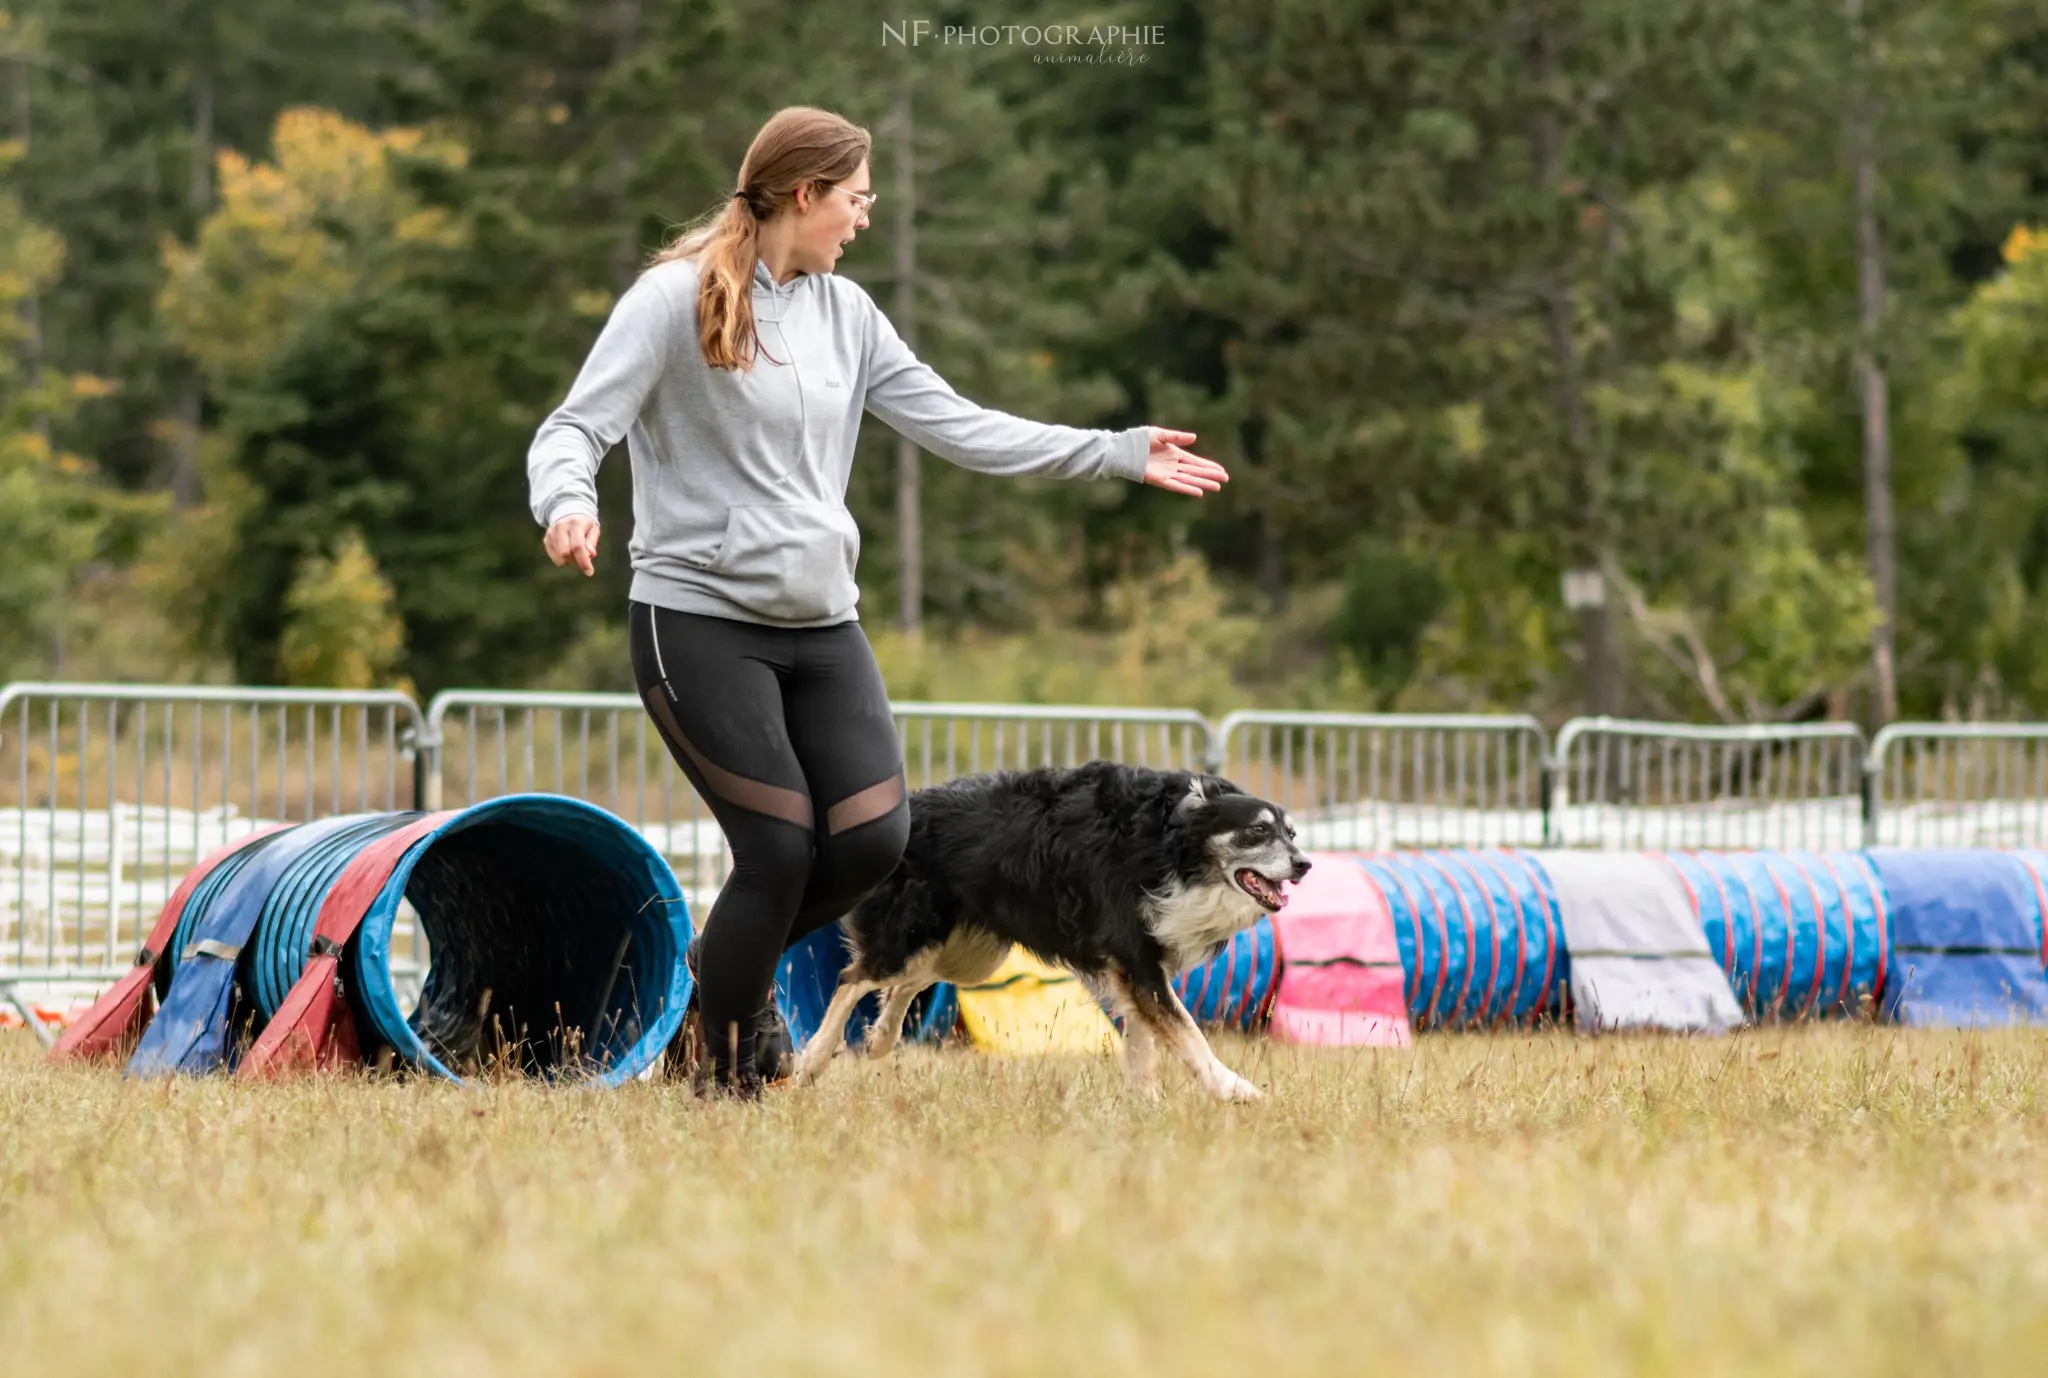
(774,1050)
(704,1085)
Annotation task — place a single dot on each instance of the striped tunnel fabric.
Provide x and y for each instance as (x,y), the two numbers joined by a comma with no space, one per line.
(1478,933)
(1235,988)
(1799,934)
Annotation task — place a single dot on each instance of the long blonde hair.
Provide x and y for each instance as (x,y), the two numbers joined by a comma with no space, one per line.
(799,145)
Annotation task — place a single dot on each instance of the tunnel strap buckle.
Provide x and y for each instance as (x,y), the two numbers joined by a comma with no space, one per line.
(212,947)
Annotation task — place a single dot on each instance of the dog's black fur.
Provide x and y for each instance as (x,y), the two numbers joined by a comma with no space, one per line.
(1125,875)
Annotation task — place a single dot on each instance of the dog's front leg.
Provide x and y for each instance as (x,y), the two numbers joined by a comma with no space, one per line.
(1176,1028)
(1141,1049)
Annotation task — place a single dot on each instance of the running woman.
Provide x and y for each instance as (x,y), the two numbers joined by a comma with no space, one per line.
(737,368)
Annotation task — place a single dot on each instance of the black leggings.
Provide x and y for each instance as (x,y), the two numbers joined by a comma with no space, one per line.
(787,735)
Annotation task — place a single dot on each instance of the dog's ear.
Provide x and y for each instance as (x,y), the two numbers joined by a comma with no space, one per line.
(1195,800)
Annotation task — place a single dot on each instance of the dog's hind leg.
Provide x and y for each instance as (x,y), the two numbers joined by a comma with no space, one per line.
(1160,1007)
(1141,1049)
(883,1033)
(831,1032)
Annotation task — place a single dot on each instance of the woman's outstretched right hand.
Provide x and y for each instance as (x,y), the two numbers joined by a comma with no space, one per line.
(573,538)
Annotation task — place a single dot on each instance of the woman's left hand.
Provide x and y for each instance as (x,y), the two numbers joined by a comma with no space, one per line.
(1170,467)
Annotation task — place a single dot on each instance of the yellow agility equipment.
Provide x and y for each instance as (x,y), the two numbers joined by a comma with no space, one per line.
(1029,1007)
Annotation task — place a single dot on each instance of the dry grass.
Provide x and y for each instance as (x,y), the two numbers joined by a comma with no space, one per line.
(1801,1201)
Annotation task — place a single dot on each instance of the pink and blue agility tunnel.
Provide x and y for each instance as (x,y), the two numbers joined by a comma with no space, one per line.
(556,935)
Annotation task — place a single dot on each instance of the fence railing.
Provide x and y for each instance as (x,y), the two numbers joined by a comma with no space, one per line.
(603,748)
(1958,785)
(1386,781)
(108,793)
(1620,784)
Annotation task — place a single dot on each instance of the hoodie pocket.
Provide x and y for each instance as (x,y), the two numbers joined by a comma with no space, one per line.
(791,562)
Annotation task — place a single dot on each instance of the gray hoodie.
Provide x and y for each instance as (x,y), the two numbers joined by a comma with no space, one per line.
(739,478)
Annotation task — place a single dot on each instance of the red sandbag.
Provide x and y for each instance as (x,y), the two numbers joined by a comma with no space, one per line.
(313,1028)
(115,1022)
(1341,980)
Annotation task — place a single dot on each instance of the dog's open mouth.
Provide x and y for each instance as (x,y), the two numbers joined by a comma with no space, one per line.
(1268,893)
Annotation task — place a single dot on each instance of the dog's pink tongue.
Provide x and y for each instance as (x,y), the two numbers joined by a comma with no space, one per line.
(1281,895)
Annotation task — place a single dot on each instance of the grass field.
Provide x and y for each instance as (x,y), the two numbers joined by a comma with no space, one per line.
(1832,1200)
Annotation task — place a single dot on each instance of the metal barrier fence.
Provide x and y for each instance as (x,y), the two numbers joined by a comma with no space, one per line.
(1377,782)
(1959,785)
(603,748)
(108,793)
(1618,784)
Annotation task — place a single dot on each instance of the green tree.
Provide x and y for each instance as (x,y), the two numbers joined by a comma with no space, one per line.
(56,516)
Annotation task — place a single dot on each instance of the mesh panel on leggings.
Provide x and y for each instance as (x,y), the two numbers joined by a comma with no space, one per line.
(792,806)
(876,801)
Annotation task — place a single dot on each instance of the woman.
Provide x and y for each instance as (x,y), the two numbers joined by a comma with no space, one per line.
(737,368)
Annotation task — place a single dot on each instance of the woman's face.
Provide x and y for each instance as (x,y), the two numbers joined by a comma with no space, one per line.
(829,220)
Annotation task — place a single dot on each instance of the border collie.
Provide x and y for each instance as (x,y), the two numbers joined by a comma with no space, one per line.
(1124,875)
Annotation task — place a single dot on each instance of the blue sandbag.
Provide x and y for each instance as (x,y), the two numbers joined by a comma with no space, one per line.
(190,1033)
(808,974)
(1234,989)
(1966,938)
(555,933)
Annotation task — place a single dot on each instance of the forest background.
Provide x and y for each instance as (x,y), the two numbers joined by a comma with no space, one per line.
(1732,313)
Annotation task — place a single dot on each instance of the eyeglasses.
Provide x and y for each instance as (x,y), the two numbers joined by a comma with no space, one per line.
(863,199)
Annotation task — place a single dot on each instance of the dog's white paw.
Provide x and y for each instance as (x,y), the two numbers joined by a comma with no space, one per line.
(1236,1089)
(810,1065)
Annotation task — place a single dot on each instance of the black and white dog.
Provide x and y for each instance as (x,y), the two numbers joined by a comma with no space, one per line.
(1124,875)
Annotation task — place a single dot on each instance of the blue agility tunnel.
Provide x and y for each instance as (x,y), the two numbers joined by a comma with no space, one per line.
(555,931)
(1800,934)
(1235,988)
(1479,934)
(809,973)
(215,945)
(1966,937)
(556,935)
